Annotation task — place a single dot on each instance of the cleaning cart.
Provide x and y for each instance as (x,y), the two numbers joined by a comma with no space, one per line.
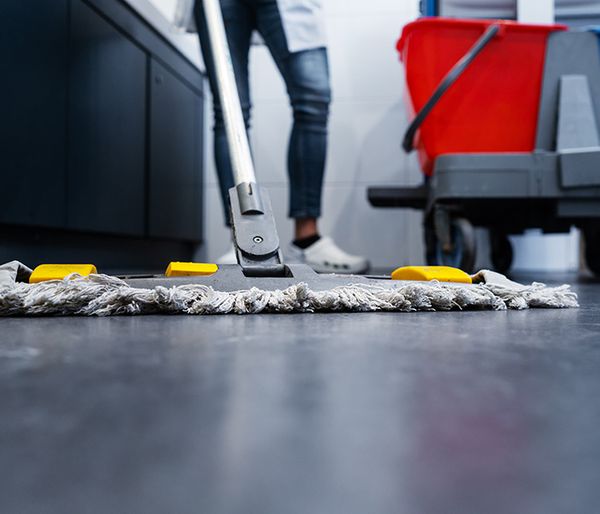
(506,128)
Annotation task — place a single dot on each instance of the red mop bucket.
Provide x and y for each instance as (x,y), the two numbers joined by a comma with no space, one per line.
(473,84)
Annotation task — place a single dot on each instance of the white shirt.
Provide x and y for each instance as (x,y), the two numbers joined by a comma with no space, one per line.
(303,23)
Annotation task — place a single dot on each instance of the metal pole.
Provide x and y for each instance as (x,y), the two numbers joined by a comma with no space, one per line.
(237,137)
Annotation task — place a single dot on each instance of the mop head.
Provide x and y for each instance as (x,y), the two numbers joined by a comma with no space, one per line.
(104,295)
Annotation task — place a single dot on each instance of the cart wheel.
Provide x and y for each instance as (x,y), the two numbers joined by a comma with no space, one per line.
(592,248)
(463,252)
(501,251)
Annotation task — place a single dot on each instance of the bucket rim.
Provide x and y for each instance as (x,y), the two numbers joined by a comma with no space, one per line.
(438,22)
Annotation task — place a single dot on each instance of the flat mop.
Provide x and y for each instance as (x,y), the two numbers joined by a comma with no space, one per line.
(261,282)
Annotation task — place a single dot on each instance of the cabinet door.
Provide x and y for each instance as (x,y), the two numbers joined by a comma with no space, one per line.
(175,195)
(107,104)
(33,53)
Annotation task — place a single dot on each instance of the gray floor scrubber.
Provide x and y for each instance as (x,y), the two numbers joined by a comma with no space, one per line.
(554,188)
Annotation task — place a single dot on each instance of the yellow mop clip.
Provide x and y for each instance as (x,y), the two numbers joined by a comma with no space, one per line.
(190,269)
(427,273)
(45,272)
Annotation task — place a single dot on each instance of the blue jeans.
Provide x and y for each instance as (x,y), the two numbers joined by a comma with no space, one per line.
(306,75)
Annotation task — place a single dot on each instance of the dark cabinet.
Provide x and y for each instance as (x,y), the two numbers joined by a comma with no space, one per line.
(33,96)
(175,150)
(107,127)
(101,135)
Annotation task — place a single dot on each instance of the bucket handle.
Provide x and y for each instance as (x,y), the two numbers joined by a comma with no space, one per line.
(450,78)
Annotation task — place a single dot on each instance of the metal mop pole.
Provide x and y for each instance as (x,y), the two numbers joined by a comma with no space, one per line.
(254,230)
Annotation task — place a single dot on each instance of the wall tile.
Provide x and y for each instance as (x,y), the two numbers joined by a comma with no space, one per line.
(271,126)
(364,61)
(266,83)
(365,149)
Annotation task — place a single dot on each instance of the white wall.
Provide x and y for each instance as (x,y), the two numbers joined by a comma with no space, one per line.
(367,123)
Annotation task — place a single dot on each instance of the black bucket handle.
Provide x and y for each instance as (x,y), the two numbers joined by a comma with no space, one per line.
(450,78)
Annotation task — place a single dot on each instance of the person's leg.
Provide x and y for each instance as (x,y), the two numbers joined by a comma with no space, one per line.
(239,21)
(310,94)
(306,75)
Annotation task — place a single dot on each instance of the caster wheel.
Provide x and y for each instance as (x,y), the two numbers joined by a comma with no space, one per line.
(462,251)
(592,248)
(501,251)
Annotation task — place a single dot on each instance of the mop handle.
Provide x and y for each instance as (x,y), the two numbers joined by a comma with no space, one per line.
(237,137)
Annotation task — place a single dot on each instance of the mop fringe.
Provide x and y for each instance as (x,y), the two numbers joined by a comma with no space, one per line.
(103,295)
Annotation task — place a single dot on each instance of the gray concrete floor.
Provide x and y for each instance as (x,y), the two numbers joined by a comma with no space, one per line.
(490,412)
